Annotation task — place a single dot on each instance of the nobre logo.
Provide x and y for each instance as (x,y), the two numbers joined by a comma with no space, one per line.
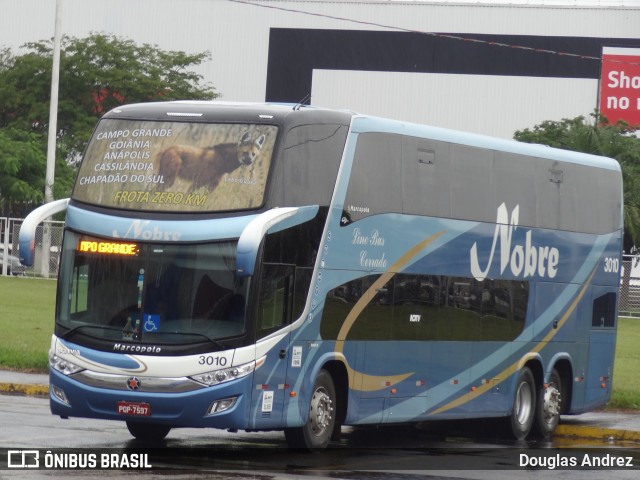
(143,229)
(23,459)
(523,260)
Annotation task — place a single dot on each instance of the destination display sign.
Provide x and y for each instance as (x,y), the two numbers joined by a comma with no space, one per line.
(109,248)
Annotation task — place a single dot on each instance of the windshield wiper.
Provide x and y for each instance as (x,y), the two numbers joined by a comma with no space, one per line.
(69,333)
(213,341)
(197,336)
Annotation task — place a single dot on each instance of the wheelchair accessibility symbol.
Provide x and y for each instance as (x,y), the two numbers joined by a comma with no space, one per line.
(151,323)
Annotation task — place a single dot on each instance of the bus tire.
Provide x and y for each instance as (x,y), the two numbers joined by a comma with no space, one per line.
(548,406)
(148,432)
(318,429)
(520,422)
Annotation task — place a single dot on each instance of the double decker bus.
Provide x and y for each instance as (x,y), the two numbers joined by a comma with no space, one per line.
(279,267)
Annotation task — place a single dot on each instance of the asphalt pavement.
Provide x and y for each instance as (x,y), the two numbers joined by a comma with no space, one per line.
(603,425)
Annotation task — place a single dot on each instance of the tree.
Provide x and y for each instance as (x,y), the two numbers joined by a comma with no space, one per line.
(22,163)
(97,73)
(599,137)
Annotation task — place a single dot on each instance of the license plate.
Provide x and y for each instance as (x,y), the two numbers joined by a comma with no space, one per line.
(137,409)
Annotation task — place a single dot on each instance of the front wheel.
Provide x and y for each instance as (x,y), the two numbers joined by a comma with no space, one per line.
(521,419)
(148,432)
(548,406)
(316,432)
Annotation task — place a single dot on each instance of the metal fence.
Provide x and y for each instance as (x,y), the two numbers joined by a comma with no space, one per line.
(49,238)
(48,244)
(629,302)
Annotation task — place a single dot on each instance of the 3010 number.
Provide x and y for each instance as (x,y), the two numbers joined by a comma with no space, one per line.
(212,360)
(611,265)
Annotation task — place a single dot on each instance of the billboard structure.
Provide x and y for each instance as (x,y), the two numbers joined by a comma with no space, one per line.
(620,85)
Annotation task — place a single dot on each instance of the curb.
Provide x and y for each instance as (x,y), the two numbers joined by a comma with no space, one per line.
(598,433)
(24,389)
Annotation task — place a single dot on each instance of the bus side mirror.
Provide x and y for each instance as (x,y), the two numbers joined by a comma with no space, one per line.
(270,221)
(27,236)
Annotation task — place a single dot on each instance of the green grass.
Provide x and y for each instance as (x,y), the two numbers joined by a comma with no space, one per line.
(26,324)
(27,308)
(626,370)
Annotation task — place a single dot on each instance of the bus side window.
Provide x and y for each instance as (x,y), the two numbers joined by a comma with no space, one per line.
(375,185)
(78,295)
(426,177)
(604,310)
(300,291)
(276,297)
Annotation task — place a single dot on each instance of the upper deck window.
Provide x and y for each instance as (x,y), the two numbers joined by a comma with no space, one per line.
(171,166)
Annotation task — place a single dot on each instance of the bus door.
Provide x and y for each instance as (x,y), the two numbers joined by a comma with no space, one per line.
(602,343)
(275,304)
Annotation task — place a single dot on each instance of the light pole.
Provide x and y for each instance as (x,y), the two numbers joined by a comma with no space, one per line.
(51,145)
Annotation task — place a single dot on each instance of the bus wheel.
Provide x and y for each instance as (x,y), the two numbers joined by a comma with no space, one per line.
(521,419)
(148,432)
(548,406)
(316,433)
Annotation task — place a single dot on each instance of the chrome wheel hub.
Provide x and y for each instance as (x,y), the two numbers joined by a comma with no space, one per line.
(524,403)
(320,411)
(551,402)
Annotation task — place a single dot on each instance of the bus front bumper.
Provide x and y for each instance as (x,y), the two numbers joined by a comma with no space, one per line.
(224,405)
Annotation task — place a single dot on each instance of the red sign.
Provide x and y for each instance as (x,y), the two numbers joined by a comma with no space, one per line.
(620,85)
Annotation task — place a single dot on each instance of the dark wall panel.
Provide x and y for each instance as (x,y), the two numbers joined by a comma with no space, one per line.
(294,53)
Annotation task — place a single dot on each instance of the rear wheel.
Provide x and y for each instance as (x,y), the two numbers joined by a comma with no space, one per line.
(316,432)
(548,406)
(520,421)
(148,432)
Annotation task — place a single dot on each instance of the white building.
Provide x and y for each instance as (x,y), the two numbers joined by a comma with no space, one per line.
(484,67)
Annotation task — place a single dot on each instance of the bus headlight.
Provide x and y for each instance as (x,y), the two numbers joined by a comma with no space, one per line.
(220,376)
(59,394)
(221,405)
(63,366)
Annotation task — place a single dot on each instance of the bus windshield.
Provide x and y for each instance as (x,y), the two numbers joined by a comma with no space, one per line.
(150,293)
(157,166)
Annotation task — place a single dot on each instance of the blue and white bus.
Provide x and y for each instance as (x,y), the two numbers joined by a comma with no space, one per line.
(280,267)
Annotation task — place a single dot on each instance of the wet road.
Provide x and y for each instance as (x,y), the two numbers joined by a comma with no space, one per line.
(434,450)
